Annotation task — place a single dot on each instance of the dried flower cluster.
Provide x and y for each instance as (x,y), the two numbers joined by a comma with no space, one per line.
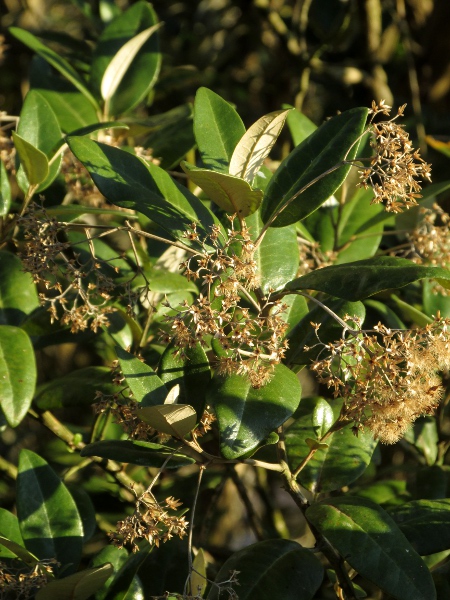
(250,345)
(151,521)
(387,379)
(396,168)
(431,238)
(19,582)
(312,257)
(81,287)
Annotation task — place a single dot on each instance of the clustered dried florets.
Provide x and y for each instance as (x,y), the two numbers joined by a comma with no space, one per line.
(389,378)
(251,345)
(20,582)
(150,521)
(396,167)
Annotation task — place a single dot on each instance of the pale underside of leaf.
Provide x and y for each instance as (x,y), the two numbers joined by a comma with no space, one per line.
(172,419)
(120,63)
(255,145)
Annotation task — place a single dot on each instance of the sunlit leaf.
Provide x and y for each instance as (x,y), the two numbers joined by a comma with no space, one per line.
(174,419)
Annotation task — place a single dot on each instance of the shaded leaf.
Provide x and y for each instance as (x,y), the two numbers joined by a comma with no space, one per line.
(5,191)
(246,416)
(125,581)
(147,387)
(217,129)
(49,520)
(231,194)
(370,541)
(18,295)
(272,569)
(13,548)
(256,144)
(17,373)
(331,143)
(363,278)
(79,586)
(135,452)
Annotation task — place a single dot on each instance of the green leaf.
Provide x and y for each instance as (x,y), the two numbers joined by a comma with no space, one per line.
(116,42)
(256,144)
(9,528)
(198,576)
(410,312)
(333,142)
(10,548)
(166,282)
(5,191)
(270,570)
(129,182)
(192,373)
(123,586)
(79,586)
(33,161)
(145,454)
(434,300)
(55,60)
(299,125)
(117,557)
(232,194)
(49,520)
(146,386)
(77,388)
(363,278)
(425,437)
(173,419)
(274,267)
(18,295)
(303,334)
(387,492)
(370,541)
(17,373)
(217,129)
(426,524)
(246,416)
(341,462)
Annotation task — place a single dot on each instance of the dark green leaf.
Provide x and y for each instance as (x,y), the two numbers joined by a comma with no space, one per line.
(117,557)
(277,256)
(9,528)
(17,373)
(363,278)
(77,388)
(217,128)
(54,59)
(146,386)
(86,510)
(129,182)
(333,142)
(273,569)
(191,373)
(304,335)
(124,583)
(49,520)
(145,454)
(245,415)
(5,191)
(79,586)
(141,75)
(425,437)
(426,524)
(344,458)
(18,295)
(15,549)
(370,541)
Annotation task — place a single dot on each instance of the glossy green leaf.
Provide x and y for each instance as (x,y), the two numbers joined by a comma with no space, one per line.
(231,194)
(49,520)
(300,126)
(370,541)
(274,267)
(86,509)
(245,415)
(340,462)
(270,570)
(425,437)
(117,557)
(146,386)
(129,182)
(9,528)
(135,452)
(173,419)
(18,295)
(10,548)
(426,524)
(5,191)
(55,60)
(360,279)
(114,42)
(79,586)
(333,142)
(124,585)
(77,388)
(304,347)
(33,162)
(191,373)
(256,144)
(217,128)
(17,373)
